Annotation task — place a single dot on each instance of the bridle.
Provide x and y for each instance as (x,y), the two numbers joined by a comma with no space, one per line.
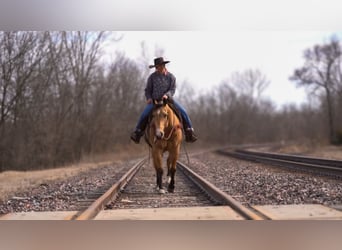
(173,129)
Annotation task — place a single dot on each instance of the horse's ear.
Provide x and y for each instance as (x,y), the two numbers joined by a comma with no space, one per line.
(165,101)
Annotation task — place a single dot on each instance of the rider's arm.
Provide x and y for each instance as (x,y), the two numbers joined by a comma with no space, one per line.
(148,89)
(170,93)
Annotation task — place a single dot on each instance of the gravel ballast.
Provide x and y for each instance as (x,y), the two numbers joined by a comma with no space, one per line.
(70,194)
(259,184)
(249,183)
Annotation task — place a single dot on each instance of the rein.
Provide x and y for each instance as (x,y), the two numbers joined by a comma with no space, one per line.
(175,127)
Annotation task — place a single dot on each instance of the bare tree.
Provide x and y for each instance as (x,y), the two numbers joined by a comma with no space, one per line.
(125,85)
(185,94)
(250,82)
(20,54)
(317,74)
(82,52)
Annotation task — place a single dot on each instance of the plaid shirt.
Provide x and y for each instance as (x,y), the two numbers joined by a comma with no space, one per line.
(159,84)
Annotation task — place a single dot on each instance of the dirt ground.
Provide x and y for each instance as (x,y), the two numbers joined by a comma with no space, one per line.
(12,182)
(328,152)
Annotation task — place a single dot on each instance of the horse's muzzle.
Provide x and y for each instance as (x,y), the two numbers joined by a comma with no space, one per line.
(159,134)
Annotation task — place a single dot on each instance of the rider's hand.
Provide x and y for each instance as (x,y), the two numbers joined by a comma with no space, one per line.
(149,101)
(165,97)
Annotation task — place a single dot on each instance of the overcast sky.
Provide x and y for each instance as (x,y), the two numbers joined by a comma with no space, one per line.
(206,58)
(260,34)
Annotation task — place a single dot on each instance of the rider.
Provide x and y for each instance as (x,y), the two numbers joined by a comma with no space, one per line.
(161,84)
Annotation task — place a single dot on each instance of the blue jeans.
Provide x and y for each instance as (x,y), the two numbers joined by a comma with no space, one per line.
(148,109)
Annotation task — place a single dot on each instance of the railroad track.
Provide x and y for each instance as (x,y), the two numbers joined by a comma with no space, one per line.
(325,167)
(133,196)
(135,189)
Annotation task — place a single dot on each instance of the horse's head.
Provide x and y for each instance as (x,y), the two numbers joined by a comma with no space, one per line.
(160,118)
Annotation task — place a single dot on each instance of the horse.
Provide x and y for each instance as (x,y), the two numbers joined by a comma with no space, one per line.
(164,134)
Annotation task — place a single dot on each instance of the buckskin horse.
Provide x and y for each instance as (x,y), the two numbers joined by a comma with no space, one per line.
(164,133)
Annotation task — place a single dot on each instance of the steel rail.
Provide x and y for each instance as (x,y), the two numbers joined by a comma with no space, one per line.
(304,163)
(311,160)
(218,194)
(99,204)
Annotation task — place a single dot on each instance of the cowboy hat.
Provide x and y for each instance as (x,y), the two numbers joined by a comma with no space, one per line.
(158,61)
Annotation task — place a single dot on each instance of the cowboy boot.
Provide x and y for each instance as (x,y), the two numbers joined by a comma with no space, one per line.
(139,132)
(136,135)
(190,135)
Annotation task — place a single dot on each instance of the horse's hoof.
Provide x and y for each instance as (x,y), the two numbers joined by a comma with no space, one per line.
(161,191)
(170,190)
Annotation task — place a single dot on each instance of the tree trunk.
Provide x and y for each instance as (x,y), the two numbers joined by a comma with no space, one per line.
(330,117)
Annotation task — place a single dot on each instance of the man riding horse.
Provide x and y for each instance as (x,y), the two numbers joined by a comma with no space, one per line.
(161,84)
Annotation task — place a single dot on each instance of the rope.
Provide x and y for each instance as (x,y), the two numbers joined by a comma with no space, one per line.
(186,153)
(149,156)
(171,132)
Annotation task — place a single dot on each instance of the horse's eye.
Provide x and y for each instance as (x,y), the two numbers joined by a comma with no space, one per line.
(165,116)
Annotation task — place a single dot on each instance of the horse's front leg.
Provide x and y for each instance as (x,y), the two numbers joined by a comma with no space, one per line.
(168,169)
(157,162)
(172,163)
